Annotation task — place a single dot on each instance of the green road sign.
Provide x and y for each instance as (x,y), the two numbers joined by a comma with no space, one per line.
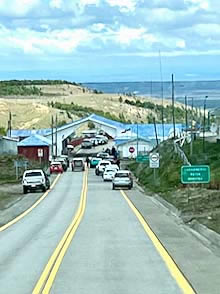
(195,174)
(142,158)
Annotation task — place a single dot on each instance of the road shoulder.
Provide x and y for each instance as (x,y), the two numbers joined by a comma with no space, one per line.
(198,262)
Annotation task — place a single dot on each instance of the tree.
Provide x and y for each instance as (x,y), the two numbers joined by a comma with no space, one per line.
(91,125)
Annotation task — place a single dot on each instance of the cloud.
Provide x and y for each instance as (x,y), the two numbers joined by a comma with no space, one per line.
(124,5)
(17,7)
(56,4)
(91,28)
(126,35)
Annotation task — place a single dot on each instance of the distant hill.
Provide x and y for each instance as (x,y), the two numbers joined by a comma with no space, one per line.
(32,103)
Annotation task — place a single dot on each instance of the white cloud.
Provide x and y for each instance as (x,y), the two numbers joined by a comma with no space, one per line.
(198,4)
(56,4)
(72,27)
(31,42)
(180,44)
(90,2)
(98,27)
(207,30)
(17,7)
(124,5)
(126,35)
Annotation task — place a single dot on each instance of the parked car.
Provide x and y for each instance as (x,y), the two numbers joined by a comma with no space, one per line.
(63,162)
(111,158)
(66,159)
(86,143)
(35,179)
(122,178)
(94,161)
(109,172)
(101,166)
(102,155)
(101,139)
(94,141)
(56,167)
(78,164)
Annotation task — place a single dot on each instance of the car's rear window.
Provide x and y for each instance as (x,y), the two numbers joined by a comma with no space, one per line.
(33,174)
(78,162)
(122,175)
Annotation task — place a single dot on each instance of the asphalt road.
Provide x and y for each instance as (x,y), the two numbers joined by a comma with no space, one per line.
(27,245)
(110,251)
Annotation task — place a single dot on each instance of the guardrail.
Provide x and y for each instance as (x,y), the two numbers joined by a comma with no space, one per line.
(181,153)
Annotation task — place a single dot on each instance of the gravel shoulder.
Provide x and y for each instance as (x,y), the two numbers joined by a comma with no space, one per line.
(13,202)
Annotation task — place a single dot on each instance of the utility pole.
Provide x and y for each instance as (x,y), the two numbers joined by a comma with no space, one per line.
(52,125)
(56,135)
(161,81)
(186,114)
(151,88)
(137,139)
(9,124)
(191,143)
(155,130)
(174,129)
(203,137)
(208,120)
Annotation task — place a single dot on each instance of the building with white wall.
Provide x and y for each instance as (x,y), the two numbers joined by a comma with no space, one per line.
(8,145)
(140,146)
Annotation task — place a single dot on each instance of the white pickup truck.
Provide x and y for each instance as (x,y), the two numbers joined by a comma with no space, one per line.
(35,179)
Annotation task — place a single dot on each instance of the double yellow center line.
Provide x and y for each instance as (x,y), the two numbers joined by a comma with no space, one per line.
(46,280)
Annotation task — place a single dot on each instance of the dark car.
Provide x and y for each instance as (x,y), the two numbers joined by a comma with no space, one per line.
(78,164)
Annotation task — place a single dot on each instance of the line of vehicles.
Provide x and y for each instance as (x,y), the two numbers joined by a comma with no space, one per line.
(109,168)
(104,164)
(88,143)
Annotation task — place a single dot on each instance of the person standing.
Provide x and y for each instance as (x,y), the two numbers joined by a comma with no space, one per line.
(118,162)
(87,161)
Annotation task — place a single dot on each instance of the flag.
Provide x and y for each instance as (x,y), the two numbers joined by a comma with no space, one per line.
(125,130)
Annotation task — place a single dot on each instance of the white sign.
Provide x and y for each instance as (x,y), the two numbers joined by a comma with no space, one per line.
(40,152)
(154,160)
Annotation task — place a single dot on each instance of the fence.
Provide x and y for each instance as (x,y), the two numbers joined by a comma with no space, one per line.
(181,153)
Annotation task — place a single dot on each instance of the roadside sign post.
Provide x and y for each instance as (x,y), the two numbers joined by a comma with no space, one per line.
(193,174)
(131,149)
(142,158)
(40,153)
(18,164)
(154,162)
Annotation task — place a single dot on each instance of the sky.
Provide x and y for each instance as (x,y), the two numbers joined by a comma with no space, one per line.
(110,40)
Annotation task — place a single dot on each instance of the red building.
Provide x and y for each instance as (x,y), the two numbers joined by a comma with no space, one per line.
(35,148)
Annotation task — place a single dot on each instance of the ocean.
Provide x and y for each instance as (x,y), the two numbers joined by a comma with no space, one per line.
(196,91)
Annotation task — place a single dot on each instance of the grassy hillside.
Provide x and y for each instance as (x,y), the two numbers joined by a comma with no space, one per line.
(196,201)
(45,98)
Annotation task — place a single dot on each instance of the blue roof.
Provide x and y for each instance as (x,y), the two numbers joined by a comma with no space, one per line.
(107,121)
(144,130)
(28,133)
(35,140)
(132,140)
(148,130)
